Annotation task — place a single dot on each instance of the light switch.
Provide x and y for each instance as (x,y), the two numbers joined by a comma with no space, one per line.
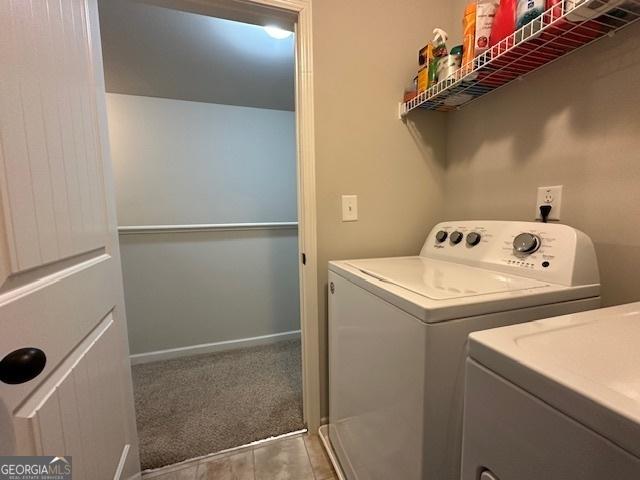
(349,208)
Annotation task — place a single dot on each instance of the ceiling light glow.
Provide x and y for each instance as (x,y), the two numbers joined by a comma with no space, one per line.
(277,32)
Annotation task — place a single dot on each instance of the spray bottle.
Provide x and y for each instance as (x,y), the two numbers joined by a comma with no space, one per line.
(439,51)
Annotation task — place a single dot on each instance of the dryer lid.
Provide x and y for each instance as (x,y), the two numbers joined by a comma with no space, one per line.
(441,280)
(586,365)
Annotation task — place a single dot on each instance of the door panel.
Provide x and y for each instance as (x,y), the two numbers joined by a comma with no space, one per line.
(81,397)
(57,311)
(60,277)
(53,194)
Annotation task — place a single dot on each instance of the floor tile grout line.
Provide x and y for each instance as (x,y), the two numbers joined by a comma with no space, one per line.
(313,471)
(198,465)
(253,462)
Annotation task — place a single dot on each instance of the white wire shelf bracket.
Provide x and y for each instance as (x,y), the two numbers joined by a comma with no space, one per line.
(560,30)
(204,227)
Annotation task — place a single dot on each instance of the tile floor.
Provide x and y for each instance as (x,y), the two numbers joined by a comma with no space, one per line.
(301,457)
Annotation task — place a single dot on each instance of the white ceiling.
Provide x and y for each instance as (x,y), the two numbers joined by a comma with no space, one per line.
(159,52)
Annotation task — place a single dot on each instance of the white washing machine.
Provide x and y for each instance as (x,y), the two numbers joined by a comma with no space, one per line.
(398,329)
(555,399)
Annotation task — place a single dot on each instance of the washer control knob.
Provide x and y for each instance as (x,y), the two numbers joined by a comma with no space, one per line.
(526,243)
(473,239)
(441,236)
(456,237)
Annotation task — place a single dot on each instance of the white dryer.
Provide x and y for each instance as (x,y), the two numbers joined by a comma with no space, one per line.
(555,399)
(398,329)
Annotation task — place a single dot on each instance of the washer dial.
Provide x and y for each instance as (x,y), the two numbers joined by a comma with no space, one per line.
(473,239)
(526,243)
(456,237)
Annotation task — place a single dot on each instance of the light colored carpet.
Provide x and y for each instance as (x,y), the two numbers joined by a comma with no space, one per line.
(193,406)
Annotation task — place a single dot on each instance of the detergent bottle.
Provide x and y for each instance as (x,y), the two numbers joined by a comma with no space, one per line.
(469,34)
(504,23)
(439,51)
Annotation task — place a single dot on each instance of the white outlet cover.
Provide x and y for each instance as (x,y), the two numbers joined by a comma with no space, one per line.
(349,208)
(549,196)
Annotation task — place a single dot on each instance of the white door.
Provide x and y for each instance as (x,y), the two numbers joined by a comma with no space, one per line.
(60,279)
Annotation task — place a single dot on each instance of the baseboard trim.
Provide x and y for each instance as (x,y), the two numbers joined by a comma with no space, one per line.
(323,432)
(147,357)
(122,462)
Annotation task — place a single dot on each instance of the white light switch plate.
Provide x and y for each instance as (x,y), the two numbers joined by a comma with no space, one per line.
(549,196)
(349,208)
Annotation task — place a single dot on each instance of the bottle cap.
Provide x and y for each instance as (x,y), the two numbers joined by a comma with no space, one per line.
(470,8)
(439,36)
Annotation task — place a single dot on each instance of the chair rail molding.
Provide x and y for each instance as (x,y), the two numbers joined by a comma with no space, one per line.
(204,227)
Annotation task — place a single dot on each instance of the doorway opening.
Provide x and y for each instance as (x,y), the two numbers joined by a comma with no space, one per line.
(203,142)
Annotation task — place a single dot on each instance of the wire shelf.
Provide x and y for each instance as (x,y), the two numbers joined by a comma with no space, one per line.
(560,30)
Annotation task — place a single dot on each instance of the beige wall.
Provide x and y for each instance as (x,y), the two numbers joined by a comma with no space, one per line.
(575,123)
(365,52)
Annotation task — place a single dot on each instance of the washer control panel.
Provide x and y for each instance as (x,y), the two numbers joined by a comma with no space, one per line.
(472,238)
(549,252)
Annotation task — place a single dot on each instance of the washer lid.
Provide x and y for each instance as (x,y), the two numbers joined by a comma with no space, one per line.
(437,290)
(441,280)
(587,365)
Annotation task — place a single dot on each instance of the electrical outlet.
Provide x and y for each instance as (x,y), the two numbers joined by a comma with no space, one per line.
(549,196)
(349,208)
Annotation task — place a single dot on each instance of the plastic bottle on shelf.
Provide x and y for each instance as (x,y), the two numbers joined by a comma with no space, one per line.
(424,58)
(485,15)
(527,11)
(439,51)
(555,8)
(504,23)
(448,66)
(469,35)
(564,34)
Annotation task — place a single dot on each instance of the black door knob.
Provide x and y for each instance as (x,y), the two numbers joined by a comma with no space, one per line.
(22,365)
